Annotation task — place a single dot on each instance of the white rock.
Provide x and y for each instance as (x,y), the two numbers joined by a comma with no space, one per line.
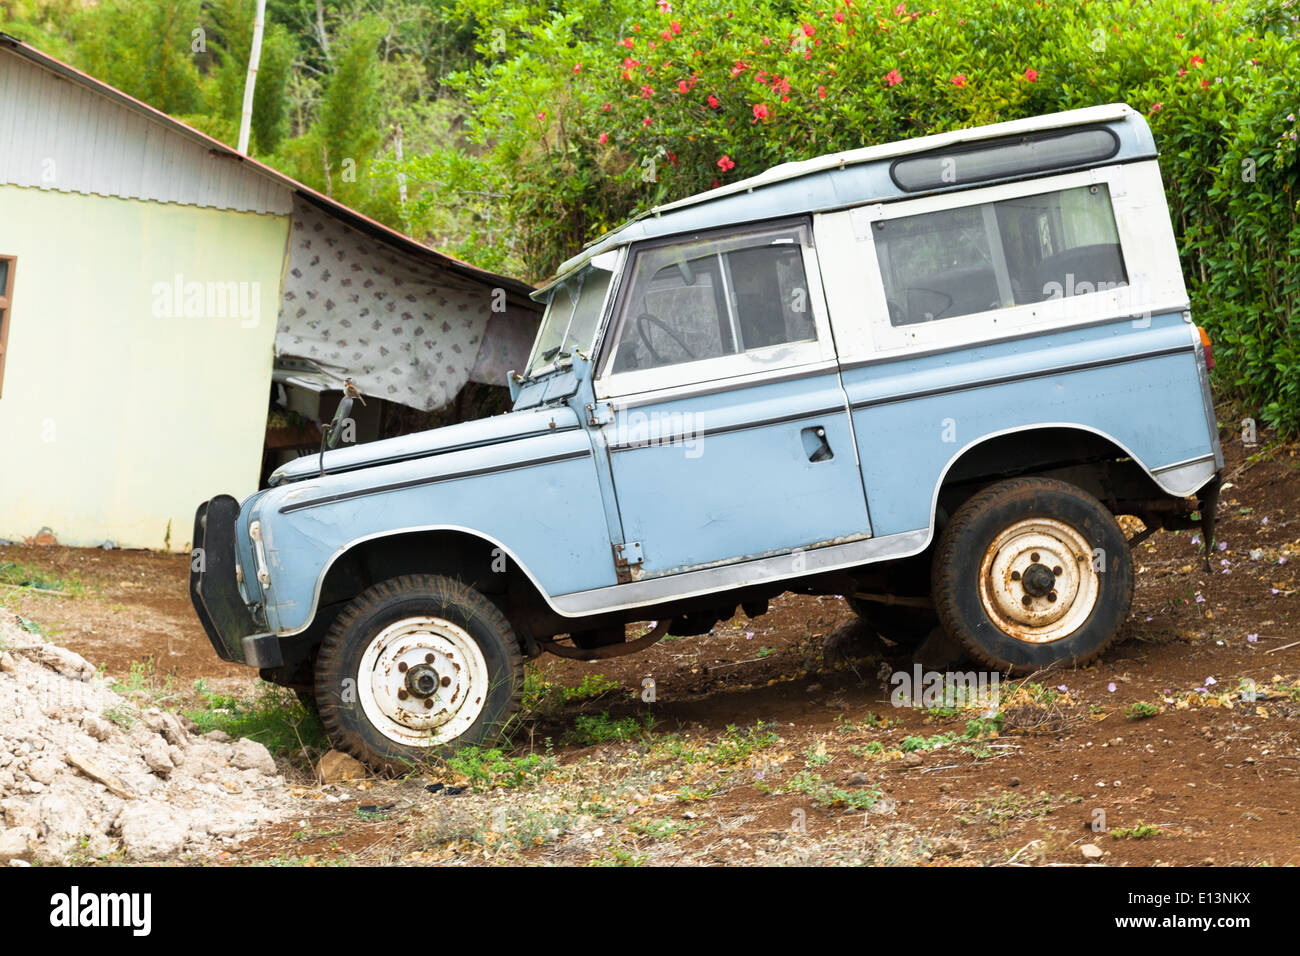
(17,843)
(250,755)
(151,831)
(97,727)
(20,813)
(44,769)
(1090,851)
(157,758)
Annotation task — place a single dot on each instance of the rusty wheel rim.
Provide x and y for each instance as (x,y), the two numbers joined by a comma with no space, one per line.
(1037,581)
(422,681)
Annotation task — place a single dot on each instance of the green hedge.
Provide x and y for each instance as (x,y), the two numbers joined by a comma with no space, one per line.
(588,112)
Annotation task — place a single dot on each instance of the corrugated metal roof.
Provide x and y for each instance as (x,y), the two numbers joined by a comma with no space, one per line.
(156,160)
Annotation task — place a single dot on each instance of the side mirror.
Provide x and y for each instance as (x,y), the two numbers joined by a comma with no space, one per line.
(514,383)
(341,414)
(330,436)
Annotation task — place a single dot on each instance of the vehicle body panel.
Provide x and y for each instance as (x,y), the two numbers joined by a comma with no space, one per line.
(613,491)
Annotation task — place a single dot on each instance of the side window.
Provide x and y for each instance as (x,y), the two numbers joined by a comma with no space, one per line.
(711,298)
(7,264)
(956,262)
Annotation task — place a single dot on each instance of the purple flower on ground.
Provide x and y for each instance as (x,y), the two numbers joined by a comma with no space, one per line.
(1252,638)
(1210,682)
(1111,687)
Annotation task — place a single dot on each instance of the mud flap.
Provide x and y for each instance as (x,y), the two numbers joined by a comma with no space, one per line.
(1208,504)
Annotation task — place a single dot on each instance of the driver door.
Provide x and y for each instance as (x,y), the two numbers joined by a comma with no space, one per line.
(725,421)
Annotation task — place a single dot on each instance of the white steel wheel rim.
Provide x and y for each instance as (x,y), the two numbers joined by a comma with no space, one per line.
(1037,581)
(422,681)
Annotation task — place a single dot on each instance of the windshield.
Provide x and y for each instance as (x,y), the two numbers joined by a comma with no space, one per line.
(572,314)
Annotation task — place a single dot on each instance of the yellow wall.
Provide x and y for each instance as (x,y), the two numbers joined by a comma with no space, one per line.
(115,420)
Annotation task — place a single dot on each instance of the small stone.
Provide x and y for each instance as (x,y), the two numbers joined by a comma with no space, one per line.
(97,727)
(151,831)
(858,779)
(156,757)
(1090,851)
(250,755)
(217,736)
(17,843)
(1013,782)
(912,760)
(336,767)
(20,813)
(8,664)
(44,769)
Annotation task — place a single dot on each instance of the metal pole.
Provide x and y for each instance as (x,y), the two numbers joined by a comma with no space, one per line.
(254,57)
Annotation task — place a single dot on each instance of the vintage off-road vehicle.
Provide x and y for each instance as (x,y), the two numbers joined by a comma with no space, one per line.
(926,375)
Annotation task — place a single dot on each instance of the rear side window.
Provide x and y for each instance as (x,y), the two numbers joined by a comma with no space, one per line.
(954,262)
(709,298)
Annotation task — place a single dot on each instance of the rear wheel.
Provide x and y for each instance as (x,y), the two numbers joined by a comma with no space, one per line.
(1033,571)
(417,667)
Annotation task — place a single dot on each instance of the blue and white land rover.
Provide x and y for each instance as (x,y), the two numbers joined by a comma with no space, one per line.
(926,375)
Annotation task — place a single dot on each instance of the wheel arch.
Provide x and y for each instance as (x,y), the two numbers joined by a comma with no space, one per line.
(451,550)
(1043,449)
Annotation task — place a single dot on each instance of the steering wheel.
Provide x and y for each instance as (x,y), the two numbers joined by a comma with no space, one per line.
(644,319)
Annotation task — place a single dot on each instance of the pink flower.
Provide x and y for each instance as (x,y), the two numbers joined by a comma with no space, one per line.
(646,121)
(715,184)
(1031,75)
(1196,61)
(1156,108)
(647,91)
(604,138)
(628,42)
(821,92)
(577,68)
(713,101)
(893,77)
(665,6)
(959,79)
(760,112)
(607,107)
(808,29)
(683,86)
(726,164)
(839,16)
(675,27)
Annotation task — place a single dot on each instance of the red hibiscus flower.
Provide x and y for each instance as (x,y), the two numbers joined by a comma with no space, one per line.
(760,112)
(959,79)
(893,77)
(603,139)
(726,164)
(1031,75)
(713,101)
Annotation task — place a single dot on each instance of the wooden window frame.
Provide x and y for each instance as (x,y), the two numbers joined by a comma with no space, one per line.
(6,297)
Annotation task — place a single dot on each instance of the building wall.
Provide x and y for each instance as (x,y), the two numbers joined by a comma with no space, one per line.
(124,405)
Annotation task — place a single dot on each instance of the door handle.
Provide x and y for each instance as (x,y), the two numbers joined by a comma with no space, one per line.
(816,445)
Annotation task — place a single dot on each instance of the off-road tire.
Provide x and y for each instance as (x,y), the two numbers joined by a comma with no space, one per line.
(964,548)
(339,681)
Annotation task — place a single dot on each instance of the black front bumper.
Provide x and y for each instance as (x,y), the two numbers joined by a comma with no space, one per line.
(235,633)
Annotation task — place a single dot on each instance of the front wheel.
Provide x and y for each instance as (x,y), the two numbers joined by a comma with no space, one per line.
(1032,572)
(417,667)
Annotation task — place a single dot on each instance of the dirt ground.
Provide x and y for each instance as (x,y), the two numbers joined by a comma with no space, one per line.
(1181,746)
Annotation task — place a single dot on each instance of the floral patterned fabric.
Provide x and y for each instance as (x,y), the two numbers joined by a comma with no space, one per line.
(403,330)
